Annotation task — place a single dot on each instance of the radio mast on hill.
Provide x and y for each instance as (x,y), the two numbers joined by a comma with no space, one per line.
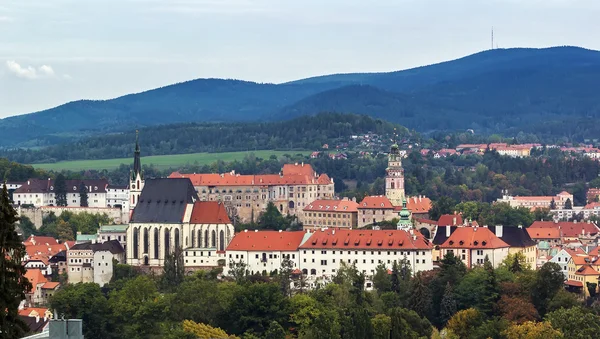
(492,37)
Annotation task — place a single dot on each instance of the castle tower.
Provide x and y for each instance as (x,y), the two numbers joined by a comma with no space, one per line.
(136,179)
(394,179)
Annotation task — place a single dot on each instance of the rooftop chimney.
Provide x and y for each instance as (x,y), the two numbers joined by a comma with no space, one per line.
(499,231)
(454,221)
(448,231)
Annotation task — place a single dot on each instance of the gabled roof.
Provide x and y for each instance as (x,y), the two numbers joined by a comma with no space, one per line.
(567,228)
(375,202)
(35,277)
(586,270)
(35,325)
(164,201)
(366,240)
(581,259)
(298,169)
(418,204)
(473,238)
(47,186)
(440,234)
(209,212)
(450,220)
(514,236)
(543,233)
(41,258)
(266,241)
(39,240)
(50,285)
(60,256)
(112,246)
(332,206)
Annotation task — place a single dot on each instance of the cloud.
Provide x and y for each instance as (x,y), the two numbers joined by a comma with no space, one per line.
(29,72)
(6,19)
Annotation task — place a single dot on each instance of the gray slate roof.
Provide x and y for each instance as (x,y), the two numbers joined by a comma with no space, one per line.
(113,246)
(164,201)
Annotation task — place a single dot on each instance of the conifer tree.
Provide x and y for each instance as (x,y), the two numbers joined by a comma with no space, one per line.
(60,190)
(83,196)
(448,307)
(491,293)
(13,284)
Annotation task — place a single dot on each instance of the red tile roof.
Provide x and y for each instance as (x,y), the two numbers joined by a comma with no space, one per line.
(418,204)
(567,229)
(50,285)
(266,241)
(297,169)
(35,277)
(579,259)
(332,206)
(376,202)
(39,240)
(543,233)
(367,240)
(587,270)
(43,259)
(209,212)
(473,238)
(574,283)
(449,220)
(33,311)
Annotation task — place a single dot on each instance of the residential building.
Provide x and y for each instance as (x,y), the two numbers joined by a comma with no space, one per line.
(551,236)
(419,206)
(373,209)
(58,262)
(325,250)
(538,201)
(563,256)
(168,215)
(247,196)
(39,192)
(593,195)
(583,212)
(585,232)
(40,262)
(41,288)
(471,245)
(93,262)
(331,213)
(394,179)
(519,241)
(450,220)
(582,271)
(117,196)
(263,251)
(113,232)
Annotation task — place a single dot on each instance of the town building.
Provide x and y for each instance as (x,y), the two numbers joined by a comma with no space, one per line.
(330,213)
(563,257)
(247,196)
(519,241)
(41,288)
(577,212)
(117,196)
(113,232)
(593,195)
(470,244)
(373,209)
(567,231)
(93,262)
(538,201)
(169,216)
(39,192)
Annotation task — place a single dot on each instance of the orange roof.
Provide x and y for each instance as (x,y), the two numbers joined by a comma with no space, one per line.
(564,193)
(574,283)
(587,270)
(567,228)
(33,312)
(416,205)
(367,239)
(592,205)
(579,259)
(575,251)
(35,277)
(209,212)
(595,252)
(38,240)
(41,258)
(376,201)
(44,250)
(449,220)
(265,241)
(298,169)
(50,285)
(543,233)
(344,205)
(534,198)
(474,238)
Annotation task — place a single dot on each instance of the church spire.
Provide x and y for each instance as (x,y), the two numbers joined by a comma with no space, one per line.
(137,163)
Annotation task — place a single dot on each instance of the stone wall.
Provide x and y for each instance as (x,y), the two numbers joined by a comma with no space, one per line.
(37,214)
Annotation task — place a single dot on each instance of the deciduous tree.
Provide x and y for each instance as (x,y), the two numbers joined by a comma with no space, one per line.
(533,330)
(576,322)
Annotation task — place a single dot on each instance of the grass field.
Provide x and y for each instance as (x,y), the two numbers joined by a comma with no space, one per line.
(160,161)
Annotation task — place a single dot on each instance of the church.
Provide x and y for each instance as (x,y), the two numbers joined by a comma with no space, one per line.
(166,214)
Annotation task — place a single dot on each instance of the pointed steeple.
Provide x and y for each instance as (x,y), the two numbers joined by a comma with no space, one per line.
(137,163)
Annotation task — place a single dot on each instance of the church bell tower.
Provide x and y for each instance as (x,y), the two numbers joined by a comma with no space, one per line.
(136,179)
(394,179)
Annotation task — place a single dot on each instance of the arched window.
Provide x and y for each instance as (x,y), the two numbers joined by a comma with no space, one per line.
(146,241)
(136,240)
(206,238)
(221,241)
(214,239)
(138,184)
(177,242)
(393,185)
(167,241)
(291,205)
(313,272)
(304,271)
(199,238)
(280,208)
(156,241)
(193,238)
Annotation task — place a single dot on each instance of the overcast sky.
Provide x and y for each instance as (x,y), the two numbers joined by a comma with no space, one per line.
(55,51)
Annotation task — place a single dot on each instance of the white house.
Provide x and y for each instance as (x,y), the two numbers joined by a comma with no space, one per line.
(89,262)
(473,244)
(563,256)
(38,192)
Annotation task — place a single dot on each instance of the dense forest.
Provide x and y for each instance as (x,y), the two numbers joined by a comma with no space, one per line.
(509,302)
(548,92)
(303,133)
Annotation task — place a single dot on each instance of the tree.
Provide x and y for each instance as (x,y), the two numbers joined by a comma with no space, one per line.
(517,310)
(382,325)
(64,231)
(381,279)
(173,270)
(271,219)
(27,227)
(576,322)
(203,331)
(552,204)
(542,214)
(13,283)
(532,330)
(592,289)
(60,190)
(275,331)
(464,322)
(568,204)
(549,280)
(448,306)
(491,290)
(443,205)
(238,270)
(325,326)
(563,299)
(285,276)
(407,324)
(83,196)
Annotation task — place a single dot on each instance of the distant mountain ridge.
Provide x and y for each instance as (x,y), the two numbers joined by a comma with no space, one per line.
(501,90)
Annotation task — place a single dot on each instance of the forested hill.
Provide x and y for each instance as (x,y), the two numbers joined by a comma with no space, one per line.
(307,133)
(497,91)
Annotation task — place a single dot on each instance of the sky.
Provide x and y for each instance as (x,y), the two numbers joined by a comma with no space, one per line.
(56,51)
